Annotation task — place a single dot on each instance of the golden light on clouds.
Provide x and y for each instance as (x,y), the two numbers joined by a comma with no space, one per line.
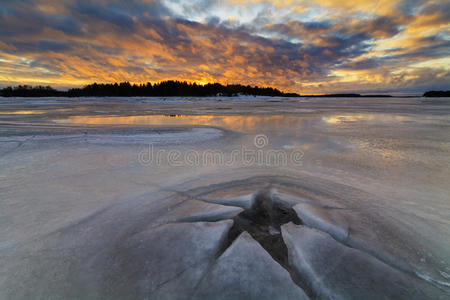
(299,46)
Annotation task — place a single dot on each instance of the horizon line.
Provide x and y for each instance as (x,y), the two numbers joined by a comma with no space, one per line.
(202,84)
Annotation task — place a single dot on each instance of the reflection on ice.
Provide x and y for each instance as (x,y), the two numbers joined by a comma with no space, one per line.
(23,112)
(230,122)
(374,118)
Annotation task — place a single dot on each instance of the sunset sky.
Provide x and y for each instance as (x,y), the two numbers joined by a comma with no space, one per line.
(298,46)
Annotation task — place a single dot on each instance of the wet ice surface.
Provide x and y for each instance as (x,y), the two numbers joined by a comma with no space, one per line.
(88,210)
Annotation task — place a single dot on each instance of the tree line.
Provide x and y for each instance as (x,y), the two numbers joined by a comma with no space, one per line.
(161,89)
(167,89)
(437,94)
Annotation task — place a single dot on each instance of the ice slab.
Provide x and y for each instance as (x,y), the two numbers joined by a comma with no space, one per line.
(387,240)
(199,211)
(246,271)
(332,270)
(163,262)
(98,136)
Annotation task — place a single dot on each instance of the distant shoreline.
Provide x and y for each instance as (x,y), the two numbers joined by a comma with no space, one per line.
(178,89)
(436,94)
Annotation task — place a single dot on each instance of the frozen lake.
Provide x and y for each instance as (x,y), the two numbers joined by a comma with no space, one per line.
(224,198)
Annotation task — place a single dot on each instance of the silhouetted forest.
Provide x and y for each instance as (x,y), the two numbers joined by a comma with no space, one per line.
(161,89)
(30,91)
(168,89)
(437,94)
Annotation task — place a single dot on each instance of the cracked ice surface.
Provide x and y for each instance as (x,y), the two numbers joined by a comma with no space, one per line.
(246,271)
(365,214)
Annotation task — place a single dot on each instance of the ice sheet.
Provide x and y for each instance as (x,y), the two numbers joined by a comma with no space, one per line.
(115,198)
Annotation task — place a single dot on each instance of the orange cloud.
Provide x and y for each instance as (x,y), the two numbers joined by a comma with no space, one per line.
(338,45)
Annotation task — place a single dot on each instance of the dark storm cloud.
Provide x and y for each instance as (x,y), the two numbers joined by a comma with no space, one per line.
(111,13)
(20,19)
(43,46)
(371,28)
(438,48)
(365,64)
(296,29)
